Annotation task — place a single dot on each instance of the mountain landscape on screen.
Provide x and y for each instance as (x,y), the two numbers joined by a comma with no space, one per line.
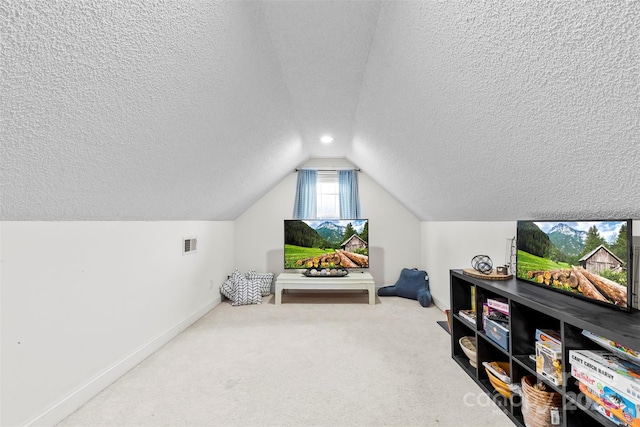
(335,233)
(567,239)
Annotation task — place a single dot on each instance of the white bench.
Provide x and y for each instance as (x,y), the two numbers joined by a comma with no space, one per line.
(354,280)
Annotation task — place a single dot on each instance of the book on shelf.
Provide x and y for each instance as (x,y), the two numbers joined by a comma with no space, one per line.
(499,304)
(550,335)
(485,312)
(627,353)
(468,315)
(493,314)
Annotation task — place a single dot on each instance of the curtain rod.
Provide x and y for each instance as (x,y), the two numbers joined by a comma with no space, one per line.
(330,170)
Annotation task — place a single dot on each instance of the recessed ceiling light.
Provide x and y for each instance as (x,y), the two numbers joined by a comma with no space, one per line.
(326,139)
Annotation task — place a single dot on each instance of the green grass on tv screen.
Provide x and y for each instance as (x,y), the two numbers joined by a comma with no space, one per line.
(293,253)
(528,262)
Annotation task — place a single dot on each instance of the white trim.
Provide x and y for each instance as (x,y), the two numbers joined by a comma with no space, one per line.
(438,303)
(76,398)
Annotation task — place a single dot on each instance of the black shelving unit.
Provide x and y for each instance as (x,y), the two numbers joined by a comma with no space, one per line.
(532,307)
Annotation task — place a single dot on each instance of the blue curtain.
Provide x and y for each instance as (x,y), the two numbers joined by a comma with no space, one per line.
(305,206)
(348,190)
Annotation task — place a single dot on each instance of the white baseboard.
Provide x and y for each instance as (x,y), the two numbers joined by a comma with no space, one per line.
(439,303)
(75,399)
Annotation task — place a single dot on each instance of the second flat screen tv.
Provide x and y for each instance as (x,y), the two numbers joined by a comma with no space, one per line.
(588,259)
(326,243)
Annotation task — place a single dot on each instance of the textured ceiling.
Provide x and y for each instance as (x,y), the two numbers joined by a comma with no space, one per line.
(148,110)
(502,111)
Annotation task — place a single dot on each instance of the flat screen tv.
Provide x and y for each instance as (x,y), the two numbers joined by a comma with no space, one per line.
(587,259)
(340,244)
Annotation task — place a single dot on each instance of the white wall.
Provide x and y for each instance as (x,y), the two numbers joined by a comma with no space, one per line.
(452,244)
(394,232)
(83,302)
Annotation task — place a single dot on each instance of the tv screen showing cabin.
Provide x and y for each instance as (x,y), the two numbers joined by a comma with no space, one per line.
(326,243)
(587,259)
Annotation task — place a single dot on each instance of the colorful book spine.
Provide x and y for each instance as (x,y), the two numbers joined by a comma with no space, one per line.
(485,312)
(548,335)
(631,355)
(499,304)
(473,298)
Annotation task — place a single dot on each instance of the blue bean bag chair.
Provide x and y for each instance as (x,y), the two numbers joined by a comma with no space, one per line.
(412,284)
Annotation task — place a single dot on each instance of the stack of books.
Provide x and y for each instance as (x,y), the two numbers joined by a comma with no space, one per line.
(611,382)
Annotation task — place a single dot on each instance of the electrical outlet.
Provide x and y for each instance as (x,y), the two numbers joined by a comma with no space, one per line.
(210,284)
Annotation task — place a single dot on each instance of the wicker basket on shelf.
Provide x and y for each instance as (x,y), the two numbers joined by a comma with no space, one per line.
(539,406)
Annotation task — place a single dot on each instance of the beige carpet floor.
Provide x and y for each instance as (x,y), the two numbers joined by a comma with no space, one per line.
(316,360)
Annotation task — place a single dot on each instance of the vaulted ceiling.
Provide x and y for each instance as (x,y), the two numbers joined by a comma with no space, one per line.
(146,110)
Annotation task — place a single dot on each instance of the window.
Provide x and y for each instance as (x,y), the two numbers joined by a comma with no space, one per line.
(328,195)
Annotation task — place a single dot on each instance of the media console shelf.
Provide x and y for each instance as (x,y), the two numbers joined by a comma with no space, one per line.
(355,280)
(532,307)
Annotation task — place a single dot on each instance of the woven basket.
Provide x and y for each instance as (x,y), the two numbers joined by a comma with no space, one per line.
(537,404)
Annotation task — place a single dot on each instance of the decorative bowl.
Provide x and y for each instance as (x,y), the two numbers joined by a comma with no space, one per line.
(500,370)
(501,386)
(468,345)
(326,272)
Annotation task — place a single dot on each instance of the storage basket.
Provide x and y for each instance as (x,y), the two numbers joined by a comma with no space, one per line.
(539,408)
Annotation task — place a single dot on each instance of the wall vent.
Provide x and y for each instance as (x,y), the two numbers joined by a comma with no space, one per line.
(189,245)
